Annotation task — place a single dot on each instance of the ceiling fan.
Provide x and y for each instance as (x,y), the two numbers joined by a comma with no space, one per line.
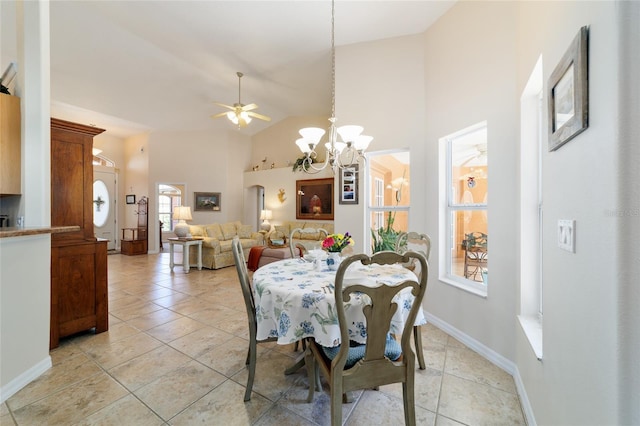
(240,114)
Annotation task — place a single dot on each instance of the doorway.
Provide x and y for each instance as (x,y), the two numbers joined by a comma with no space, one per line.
(104,204)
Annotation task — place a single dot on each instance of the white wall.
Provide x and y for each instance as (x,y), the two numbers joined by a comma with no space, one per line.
(578,380)
(25,273)
(206,161)
(470,57)
(628,198)
(380,86)
(25,277)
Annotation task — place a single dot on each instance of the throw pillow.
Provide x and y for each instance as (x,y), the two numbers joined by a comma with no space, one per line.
(244,231)
(196,231)
(214,231)
(228,230)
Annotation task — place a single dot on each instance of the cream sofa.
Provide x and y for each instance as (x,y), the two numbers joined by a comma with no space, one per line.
(305,238)
(216,245)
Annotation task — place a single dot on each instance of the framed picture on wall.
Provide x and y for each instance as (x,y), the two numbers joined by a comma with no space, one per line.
(349,185)
(206,201)
(314,199)
(130,199)
(569,93)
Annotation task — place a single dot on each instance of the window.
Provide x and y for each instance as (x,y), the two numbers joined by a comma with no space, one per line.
(101,160)
(169,196)
(378,201)
(531,213)
(389,197)
(463,223)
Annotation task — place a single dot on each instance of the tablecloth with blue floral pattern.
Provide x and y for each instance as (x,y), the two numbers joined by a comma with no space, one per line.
(294,299)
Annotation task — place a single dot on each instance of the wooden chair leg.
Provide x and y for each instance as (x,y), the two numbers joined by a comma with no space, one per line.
(417,338)
(336,406)
(252,369)
(312,373)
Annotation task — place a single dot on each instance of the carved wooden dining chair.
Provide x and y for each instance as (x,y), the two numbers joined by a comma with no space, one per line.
(247,293)
(379,362)
(298,249)
(420,243)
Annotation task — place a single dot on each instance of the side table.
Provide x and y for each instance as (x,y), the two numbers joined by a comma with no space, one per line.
(185,243)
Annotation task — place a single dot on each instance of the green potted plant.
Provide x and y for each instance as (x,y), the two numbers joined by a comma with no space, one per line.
(302,164)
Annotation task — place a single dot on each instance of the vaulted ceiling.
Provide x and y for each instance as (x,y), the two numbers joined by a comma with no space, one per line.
(135,65)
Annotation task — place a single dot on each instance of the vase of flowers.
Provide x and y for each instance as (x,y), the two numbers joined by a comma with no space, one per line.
(334,244)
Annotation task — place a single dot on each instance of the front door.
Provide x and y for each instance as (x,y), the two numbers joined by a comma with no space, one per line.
(104,205)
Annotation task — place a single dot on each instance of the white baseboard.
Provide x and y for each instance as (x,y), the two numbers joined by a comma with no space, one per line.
(8,390)
(491,356)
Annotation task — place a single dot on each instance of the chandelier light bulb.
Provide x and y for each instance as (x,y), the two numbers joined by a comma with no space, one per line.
(362,142)
(304,145)
(350,132)
(336,147)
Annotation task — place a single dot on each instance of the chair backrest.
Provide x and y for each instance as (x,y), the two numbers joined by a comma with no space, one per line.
(298,249)
(475,240)
(245,282)
(374,369)
(414,241)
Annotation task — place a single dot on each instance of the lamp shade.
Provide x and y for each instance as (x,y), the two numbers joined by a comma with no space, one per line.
(266,215)
(362,142)
(350,132)
(182,213)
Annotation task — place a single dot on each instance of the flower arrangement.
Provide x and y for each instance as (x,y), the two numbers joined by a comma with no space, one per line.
(335,243)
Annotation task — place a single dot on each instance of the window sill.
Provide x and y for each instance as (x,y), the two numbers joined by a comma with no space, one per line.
(532,327)
(468,286)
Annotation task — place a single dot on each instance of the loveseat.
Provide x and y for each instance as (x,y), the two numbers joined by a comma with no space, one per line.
(307,239)
(216,245)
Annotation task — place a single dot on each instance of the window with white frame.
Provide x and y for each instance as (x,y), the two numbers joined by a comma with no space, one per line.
(169,197)
(388,198)
(463,209)
(377,219)
(531,209)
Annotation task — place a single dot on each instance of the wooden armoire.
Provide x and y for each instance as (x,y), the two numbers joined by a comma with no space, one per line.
(78,260)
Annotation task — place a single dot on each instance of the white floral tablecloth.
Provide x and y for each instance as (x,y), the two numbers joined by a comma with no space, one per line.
(294,299)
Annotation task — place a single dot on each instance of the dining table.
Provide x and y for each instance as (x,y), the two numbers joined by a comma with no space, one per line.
(295,300)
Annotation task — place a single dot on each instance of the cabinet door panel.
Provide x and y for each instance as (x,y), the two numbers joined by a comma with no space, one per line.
(77,281)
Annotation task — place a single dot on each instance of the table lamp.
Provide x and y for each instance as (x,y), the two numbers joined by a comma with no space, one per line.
(265,215)
(182,213)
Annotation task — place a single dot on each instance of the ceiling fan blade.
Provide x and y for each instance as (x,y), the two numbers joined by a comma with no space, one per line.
(249,107)
(258,116)
(221,114)
(225,105)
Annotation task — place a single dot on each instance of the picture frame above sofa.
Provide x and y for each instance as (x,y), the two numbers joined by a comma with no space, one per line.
(314,199)
(207,201)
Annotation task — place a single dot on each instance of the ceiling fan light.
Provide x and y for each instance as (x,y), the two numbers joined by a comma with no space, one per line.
(350,132)
(231,115)
(312,134)
(245,116)
(362,142)
(303,144)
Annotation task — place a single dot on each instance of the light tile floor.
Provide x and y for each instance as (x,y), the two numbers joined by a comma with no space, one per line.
(175,351)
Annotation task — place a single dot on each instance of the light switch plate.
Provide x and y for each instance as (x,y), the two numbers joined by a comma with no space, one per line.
(567,235)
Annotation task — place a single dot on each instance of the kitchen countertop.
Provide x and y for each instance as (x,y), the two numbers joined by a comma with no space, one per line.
(35,230)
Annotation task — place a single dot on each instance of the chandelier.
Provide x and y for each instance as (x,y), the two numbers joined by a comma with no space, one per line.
(340,153)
